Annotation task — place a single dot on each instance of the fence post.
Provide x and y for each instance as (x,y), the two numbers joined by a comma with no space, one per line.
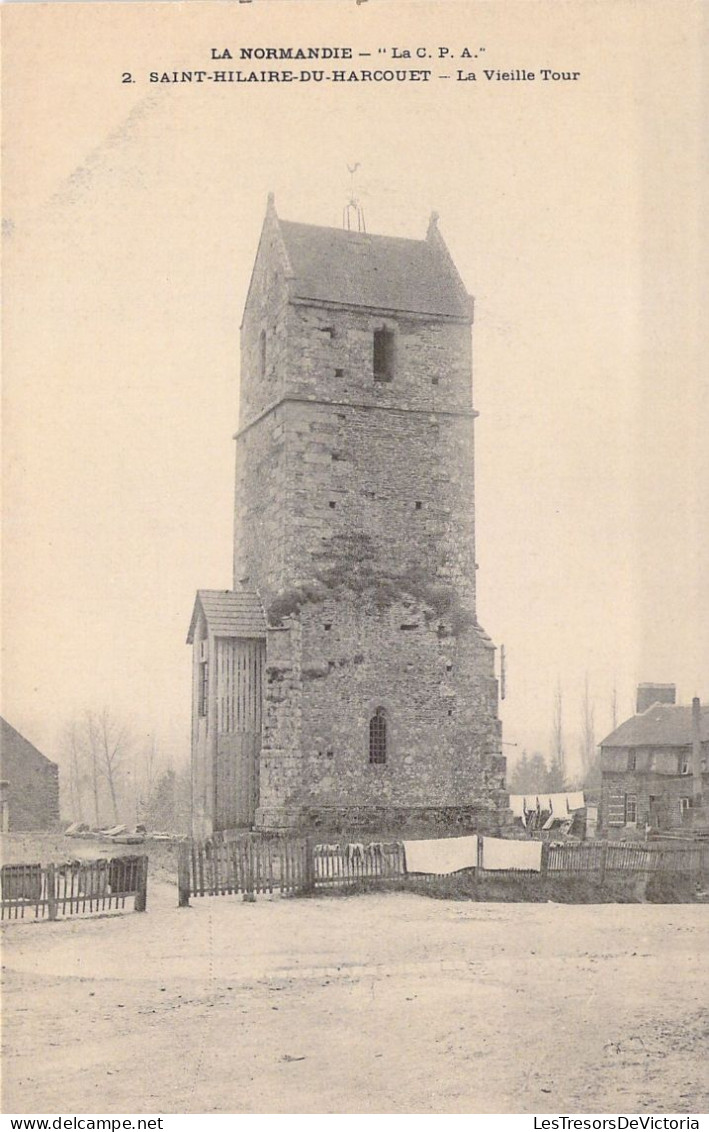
(309,878)
(249,894)
(51,892)
(604,859)
(544,865)
(183,875)
(141,896)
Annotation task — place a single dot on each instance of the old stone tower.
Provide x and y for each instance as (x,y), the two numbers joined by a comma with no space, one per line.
(344,681)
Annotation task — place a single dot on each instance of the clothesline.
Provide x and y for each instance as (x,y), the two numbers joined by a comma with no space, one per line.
(447,855)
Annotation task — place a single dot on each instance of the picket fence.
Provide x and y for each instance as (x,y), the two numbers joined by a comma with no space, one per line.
(253,863)
(72,888)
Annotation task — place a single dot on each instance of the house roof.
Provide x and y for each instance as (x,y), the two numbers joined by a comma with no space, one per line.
(384,272)
(13,744)
(229,613)
(661,725)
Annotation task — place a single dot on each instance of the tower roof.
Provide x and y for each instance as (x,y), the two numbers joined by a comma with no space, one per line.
(333,265)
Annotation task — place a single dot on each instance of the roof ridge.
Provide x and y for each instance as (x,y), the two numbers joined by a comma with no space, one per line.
(355,235)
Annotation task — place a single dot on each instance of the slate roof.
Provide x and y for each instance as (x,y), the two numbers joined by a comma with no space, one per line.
(662,725)
(385,272)
(229,613)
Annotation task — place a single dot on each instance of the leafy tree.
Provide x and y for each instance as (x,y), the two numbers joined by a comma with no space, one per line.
(529,775)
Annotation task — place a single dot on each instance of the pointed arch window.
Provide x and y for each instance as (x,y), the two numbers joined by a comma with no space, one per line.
(378,737)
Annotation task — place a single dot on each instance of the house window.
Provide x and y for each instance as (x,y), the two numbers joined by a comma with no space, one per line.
(684,804)
(378,737)
(202,694)
(262,353)
(631,809)
(684,764)
(632,759)
(384,354)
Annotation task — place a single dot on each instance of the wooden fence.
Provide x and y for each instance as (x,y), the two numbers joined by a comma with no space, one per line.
(253,863)
(342,864)
(603,857)
(72,888)
(248,864)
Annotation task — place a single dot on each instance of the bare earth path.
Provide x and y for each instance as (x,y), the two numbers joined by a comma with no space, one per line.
(384,1003)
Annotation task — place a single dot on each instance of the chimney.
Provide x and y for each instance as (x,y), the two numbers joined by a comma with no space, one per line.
(649,694)
(696,752)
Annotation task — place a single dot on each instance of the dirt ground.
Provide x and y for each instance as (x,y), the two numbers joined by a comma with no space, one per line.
(387,1003)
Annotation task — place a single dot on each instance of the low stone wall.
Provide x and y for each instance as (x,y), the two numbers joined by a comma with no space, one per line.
(390,820)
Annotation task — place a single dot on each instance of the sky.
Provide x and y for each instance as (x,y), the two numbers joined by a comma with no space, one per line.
(573,211)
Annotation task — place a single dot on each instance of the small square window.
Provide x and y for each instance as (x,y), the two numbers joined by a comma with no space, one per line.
(418,505)
(332,505)
(434,381)
(327,626)
(339,372)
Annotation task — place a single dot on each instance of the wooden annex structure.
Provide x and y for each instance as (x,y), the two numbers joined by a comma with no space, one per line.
(228,635)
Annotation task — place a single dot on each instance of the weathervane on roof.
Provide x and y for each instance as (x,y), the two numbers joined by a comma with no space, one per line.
(353,210)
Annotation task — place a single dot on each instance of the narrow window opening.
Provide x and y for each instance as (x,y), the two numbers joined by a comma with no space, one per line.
(418,505)
(203,696)
(327,626)
(332,505)
(378,737)
(409,625)
(384,354)
(632,760)
(339,372)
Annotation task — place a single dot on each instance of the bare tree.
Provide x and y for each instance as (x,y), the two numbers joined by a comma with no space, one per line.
(148,766)
(588,734)
(113,743)
(73,751)
(614,706)
(97,746)
(558,754)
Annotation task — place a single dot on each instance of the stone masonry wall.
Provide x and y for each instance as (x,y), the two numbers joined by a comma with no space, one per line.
(33,783)
(440,696)
(354,520)
(330,355)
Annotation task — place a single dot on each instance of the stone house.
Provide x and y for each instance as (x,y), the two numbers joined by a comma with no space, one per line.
(344,680)
(29,784)
(655,767)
